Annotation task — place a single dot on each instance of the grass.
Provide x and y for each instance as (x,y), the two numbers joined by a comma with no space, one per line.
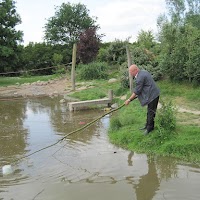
(98,89)
(180,94)
(6,81)
(183,142)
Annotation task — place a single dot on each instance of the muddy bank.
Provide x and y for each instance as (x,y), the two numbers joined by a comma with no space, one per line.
(39,88)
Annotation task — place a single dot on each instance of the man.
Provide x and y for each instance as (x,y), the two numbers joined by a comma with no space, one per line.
(147,93)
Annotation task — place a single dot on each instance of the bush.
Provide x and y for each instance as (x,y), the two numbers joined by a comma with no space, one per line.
(166,116)
(91,71)
(125,80)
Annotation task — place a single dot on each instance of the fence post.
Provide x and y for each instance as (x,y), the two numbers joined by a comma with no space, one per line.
(73,66)
(129,64)
(110,94)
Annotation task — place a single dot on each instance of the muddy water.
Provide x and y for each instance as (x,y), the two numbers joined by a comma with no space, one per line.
(84,166)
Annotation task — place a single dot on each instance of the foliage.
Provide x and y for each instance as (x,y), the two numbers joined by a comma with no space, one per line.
(57,58)
(91,71)
(36,56)
(9,37)
(124,79)
(146,54)
(88,45)
(41,55)
(166,121)
(179,36)
(146,39)
(145,60)
(114,52)
(102,55)
(192,47)
(69,21)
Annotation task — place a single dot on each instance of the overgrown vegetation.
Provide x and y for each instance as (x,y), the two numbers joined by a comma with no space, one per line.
(92,71)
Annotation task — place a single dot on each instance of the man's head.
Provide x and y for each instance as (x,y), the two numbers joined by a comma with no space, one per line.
(133,70)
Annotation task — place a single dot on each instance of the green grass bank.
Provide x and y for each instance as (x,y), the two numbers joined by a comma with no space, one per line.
(180,135)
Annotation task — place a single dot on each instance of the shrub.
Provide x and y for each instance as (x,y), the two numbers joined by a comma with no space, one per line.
(91,71)
(125,79)
(166,116)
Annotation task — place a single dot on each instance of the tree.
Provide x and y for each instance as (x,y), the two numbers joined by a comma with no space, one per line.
(179,36)
(9,37)
(88,46)
(146,39)
(36,56)
(69,21)
(117,52)
(192,46)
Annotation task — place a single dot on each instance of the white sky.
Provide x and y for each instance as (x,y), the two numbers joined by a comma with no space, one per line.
(118,19)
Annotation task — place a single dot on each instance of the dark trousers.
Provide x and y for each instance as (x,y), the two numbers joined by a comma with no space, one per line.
(151,113)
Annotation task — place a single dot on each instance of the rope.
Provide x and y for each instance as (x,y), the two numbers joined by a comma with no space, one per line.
(82,128)
(33,70)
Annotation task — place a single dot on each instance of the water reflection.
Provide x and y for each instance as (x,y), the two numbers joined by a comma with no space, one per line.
(85,161)
(148,184)
(12,133)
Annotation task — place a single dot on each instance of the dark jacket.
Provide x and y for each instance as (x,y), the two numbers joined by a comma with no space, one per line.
(146,89)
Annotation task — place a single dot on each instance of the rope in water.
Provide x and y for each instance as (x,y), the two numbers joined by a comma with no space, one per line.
(77,130)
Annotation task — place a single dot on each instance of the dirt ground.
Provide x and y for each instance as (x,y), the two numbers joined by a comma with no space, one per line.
(40,88)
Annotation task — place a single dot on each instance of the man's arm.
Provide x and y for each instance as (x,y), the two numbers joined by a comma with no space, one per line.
(131,98)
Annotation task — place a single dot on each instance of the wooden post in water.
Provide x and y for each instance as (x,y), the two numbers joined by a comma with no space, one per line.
(129,64)
(73,66)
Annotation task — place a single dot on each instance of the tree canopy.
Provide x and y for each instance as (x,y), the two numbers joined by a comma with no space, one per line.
(9,36)
(88,45)
(180,40)
(69,21)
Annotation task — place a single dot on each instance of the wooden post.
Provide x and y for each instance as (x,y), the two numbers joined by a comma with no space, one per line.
(110,94)
(73,66)
(129,64)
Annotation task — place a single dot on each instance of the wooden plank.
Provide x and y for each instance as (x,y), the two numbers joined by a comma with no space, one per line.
(83,104)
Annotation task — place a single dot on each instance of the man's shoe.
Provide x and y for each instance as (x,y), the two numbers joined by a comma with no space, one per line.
(147,132)
(143,128)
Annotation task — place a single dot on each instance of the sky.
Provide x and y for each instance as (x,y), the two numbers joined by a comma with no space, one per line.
(118,19)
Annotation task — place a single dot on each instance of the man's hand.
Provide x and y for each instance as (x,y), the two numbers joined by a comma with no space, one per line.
(127,101)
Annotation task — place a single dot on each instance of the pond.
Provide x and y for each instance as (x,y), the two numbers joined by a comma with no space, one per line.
(83,166)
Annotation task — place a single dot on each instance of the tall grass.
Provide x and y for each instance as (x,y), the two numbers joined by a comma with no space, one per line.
(91,71)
